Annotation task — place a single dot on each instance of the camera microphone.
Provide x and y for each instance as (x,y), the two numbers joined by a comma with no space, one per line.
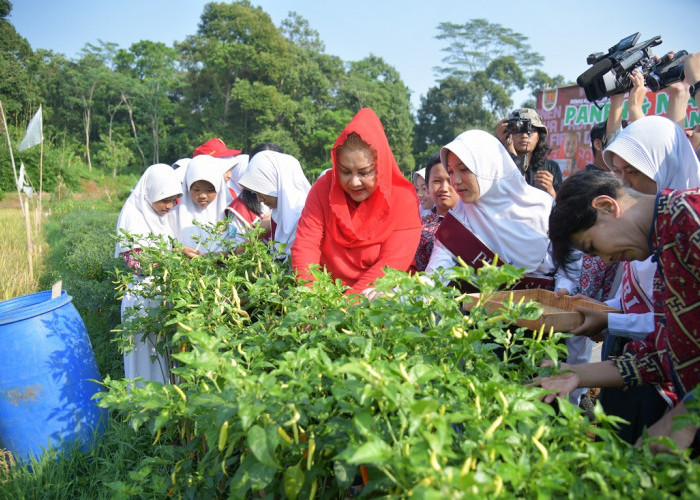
(594,72)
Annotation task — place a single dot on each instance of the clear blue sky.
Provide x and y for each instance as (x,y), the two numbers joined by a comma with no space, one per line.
(402,32)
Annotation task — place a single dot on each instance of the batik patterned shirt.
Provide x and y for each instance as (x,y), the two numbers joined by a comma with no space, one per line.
(427,239)
(672,352)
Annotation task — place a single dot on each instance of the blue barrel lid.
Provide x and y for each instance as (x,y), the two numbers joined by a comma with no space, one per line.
(29,306)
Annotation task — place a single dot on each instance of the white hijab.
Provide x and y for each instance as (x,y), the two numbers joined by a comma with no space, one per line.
(510,217)
(419,173)
(241,167)
(138,217)
(278,174)
(202,168)
(659,149)
(181,169)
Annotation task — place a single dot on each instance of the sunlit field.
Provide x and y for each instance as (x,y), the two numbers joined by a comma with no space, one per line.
(15,279)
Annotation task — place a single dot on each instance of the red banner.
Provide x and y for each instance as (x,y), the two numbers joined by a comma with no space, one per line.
(569,116)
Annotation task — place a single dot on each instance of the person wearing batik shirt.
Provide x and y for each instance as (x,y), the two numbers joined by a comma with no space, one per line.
(444,199)
(595,213)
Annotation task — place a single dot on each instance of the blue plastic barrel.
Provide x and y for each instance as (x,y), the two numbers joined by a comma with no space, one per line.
(46,375)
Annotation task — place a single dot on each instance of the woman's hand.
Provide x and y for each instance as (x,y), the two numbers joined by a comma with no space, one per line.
(637,95)
(545,180)
(594,322)
(371,293)
(683,437)
(266,223)
(561,384)
(504,136)
(190,252)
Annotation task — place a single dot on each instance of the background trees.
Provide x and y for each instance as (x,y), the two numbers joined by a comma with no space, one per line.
(485,64)
(241,78)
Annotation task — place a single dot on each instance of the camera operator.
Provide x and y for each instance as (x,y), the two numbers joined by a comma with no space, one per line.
(603,133)
(525,137)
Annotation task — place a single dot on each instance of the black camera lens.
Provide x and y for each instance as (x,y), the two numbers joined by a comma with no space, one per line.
(519,126)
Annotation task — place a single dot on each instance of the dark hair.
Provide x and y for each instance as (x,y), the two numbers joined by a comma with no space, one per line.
(432,161)
(250,200)
(573,211)
(353,142)
(264,146)
(598,132)
(542,149)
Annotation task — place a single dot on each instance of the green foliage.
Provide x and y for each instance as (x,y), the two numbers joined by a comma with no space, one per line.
(112,460)
(288,390)
(239,77)
(81,248)
(448,110)
(476,43)
(485,64)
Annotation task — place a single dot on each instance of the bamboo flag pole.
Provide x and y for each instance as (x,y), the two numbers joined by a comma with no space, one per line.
(30,250)
(12,156)
(25,210)
(41,169)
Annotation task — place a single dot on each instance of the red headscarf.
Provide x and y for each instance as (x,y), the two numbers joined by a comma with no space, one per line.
(392,206)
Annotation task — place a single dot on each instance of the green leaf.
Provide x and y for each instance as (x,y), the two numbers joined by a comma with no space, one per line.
(258,444)
(293,481)
(251,475)
(344,474)
(373,452)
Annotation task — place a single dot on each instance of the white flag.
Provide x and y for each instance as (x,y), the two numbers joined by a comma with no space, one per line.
(34,132)
(20,178)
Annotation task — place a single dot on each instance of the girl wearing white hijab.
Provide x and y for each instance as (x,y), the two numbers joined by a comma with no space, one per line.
(510,217)
(147,211)
(204,202)
(279,183)
(501,209)
(426,202)
(659,149)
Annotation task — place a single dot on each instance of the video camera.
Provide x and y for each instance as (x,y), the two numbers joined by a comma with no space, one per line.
(518,125)
(610,73)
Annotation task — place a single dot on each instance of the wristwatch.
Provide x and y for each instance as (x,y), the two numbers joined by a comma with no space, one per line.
(694,88)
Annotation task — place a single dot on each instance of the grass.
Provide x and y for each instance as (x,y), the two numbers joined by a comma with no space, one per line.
(78,250)
(98,473)
(14,264)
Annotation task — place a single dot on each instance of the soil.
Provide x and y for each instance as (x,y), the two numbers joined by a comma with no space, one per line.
(88,189)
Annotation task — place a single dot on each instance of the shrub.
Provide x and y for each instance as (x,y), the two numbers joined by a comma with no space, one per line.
(81,249)
(292,391)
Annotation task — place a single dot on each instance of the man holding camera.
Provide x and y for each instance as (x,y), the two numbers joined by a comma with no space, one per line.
(525,137)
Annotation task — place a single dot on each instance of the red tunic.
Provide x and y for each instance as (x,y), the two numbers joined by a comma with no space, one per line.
(672,352)
(355,242)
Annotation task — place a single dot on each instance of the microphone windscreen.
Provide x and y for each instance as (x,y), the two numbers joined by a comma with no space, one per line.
(594,72)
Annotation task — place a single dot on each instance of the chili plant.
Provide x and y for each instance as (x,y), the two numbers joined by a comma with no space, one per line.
(294,390)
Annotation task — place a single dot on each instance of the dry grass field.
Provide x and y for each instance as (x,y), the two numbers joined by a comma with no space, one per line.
(15,279)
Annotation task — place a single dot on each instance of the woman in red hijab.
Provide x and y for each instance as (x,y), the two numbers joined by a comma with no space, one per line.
(362,215)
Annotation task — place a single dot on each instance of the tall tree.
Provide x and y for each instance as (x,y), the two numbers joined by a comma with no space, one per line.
(448,110)
(485,64)
(473,45)
(234,43)
(17,87)
(155,67)
(312,82)
(95,65)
